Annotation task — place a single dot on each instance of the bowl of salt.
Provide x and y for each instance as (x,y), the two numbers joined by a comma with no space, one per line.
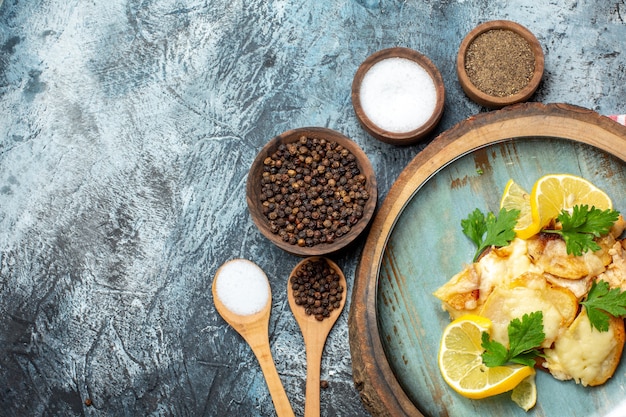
(398,95)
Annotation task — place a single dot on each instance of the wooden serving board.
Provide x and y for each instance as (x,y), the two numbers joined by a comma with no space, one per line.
(416,244)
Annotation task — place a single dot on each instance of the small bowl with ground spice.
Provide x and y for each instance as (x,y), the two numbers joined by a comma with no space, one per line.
(398,95)
(311,191)
(500,63)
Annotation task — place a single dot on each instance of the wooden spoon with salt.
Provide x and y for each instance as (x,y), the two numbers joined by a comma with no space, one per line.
(254,328)
(315,333)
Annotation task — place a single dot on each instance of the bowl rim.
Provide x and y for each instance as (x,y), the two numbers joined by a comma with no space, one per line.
(401,138)
(254,205)
(488,100)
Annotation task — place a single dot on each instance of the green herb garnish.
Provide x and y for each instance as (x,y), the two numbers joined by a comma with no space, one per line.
(525,337)
(489,230)
(579,228)
(603,302)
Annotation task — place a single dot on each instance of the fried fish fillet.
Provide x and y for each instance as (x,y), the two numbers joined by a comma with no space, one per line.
(579,287)
(467,291)
(548,252)
(615,273)
(526,294)
(585,354)
(538,274)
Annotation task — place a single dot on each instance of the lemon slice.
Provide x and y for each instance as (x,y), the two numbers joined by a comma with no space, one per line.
(461,363)
(525,393)
(556,192)
(515,197)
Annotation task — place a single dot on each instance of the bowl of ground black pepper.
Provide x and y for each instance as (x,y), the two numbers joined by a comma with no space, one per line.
(500,63)
(311,191)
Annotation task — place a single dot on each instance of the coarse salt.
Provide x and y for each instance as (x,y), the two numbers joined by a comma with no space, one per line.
(398,95)
(242,287)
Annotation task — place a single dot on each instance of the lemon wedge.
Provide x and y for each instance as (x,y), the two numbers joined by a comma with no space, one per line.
(461,363)
(515,197)
(556,192)
(525,393)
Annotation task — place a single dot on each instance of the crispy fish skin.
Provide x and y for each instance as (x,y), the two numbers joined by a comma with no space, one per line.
(460,294)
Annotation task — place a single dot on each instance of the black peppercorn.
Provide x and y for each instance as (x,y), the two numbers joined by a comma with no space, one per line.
(316,287)
(317,186)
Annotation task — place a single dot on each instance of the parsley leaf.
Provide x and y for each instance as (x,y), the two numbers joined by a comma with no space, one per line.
(579,228)
(475,226)
(489,230)
(603,301)
(525,337)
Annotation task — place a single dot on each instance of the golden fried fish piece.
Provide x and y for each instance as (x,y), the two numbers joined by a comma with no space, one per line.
(467,291)
(580,287)
(548,252)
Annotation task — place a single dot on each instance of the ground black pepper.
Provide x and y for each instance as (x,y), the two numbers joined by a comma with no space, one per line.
(499,62)
(317,288)
(312,191)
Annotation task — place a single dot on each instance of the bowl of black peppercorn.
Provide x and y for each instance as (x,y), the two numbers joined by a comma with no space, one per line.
(311,191)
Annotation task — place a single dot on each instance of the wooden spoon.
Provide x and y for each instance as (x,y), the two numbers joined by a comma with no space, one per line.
(254,328)
(315,333)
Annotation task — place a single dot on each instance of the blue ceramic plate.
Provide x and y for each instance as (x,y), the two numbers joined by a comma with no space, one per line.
(416,244)
(427,247)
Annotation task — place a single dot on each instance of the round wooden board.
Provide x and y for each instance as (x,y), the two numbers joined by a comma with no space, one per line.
(373,373)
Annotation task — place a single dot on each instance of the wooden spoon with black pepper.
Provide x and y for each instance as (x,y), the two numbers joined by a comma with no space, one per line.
(316,308)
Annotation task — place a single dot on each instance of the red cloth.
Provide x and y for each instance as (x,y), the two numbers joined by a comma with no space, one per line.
(619,118)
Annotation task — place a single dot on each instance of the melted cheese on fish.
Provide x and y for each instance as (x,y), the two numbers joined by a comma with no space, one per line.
(585,354)
(538,274)
(467,291)
(527,294)
(501,266)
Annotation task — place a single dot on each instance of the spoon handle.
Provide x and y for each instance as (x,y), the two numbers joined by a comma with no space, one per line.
(313,366)
(261,349)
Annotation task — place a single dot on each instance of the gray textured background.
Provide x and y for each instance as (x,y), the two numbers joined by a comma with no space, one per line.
(126,132)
